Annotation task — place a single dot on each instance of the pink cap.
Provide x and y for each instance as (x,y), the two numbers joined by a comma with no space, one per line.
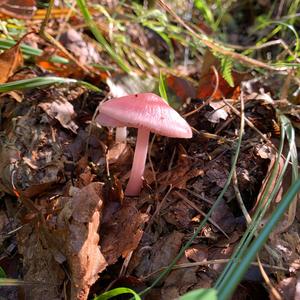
(147,111)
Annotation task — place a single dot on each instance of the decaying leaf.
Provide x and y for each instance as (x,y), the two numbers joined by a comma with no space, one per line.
(159,255)
(62,110)
(197,253)
(70,236)
(9,155)
(220,112)
(79,221)
(10,60)
(179,281)
(39,265)
(122,233)
(180,174)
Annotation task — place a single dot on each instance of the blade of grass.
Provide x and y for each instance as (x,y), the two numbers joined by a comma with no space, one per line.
(27,50)
(115,292)
(203,294)
(100,38)
(258,243)
(42,81)
(162,87)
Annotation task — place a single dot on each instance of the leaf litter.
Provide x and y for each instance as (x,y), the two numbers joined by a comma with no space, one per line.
(76,232)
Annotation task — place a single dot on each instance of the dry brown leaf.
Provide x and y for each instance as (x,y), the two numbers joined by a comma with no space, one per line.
(10,60)
(80,220)
(179,214)
(197,253)
(122,233)
(62,110)
(179,175)
(39,265)
(119,154)
(223,216)
(9,155)
(159,255)
(179,281)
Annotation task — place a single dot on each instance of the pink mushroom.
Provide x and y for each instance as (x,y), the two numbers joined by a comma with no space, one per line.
(146,112)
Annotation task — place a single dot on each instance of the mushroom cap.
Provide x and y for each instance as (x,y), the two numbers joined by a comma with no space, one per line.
(145,110)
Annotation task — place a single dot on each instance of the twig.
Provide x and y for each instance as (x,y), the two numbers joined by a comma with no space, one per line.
(210,262)
(194,206)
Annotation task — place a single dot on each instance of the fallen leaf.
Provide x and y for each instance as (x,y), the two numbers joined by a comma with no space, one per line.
(159,255)
(38,264)
(207,84)
(179,214)
(122,233)
(22,9)
(80,221)
(179,281)
(10,60)
(197,253)
(119,154)
(179,90)
(62,110)
(223,216)
(220,112)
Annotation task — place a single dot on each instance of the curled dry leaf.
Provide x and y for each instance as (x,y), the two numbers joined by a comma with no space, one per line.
(220,112)
(62,110)
(10,60)
(122,233)
(197,253)
(70,236)
(80,220)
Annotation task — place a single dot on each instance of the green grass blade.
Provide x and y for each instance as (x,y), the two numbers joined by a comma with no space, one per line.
(27,50)
(2,273)
(42,81)
(258,243)
(162,87)
(100,38)
(115,292)
(200,294)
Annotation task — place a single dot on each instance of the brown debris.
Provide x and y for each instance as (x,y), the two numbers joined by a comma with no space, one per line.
(39,264)
(123,232)
(80,221)
(10,60)
(62,110)
(149,259)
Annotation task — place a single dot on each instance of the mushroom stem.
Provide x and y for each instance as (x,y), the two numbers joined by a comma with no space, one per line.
(138,166)
(121,134)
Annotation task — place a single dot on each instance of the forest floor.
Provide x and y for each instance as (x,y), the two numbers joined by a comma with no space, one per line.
(231,69)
